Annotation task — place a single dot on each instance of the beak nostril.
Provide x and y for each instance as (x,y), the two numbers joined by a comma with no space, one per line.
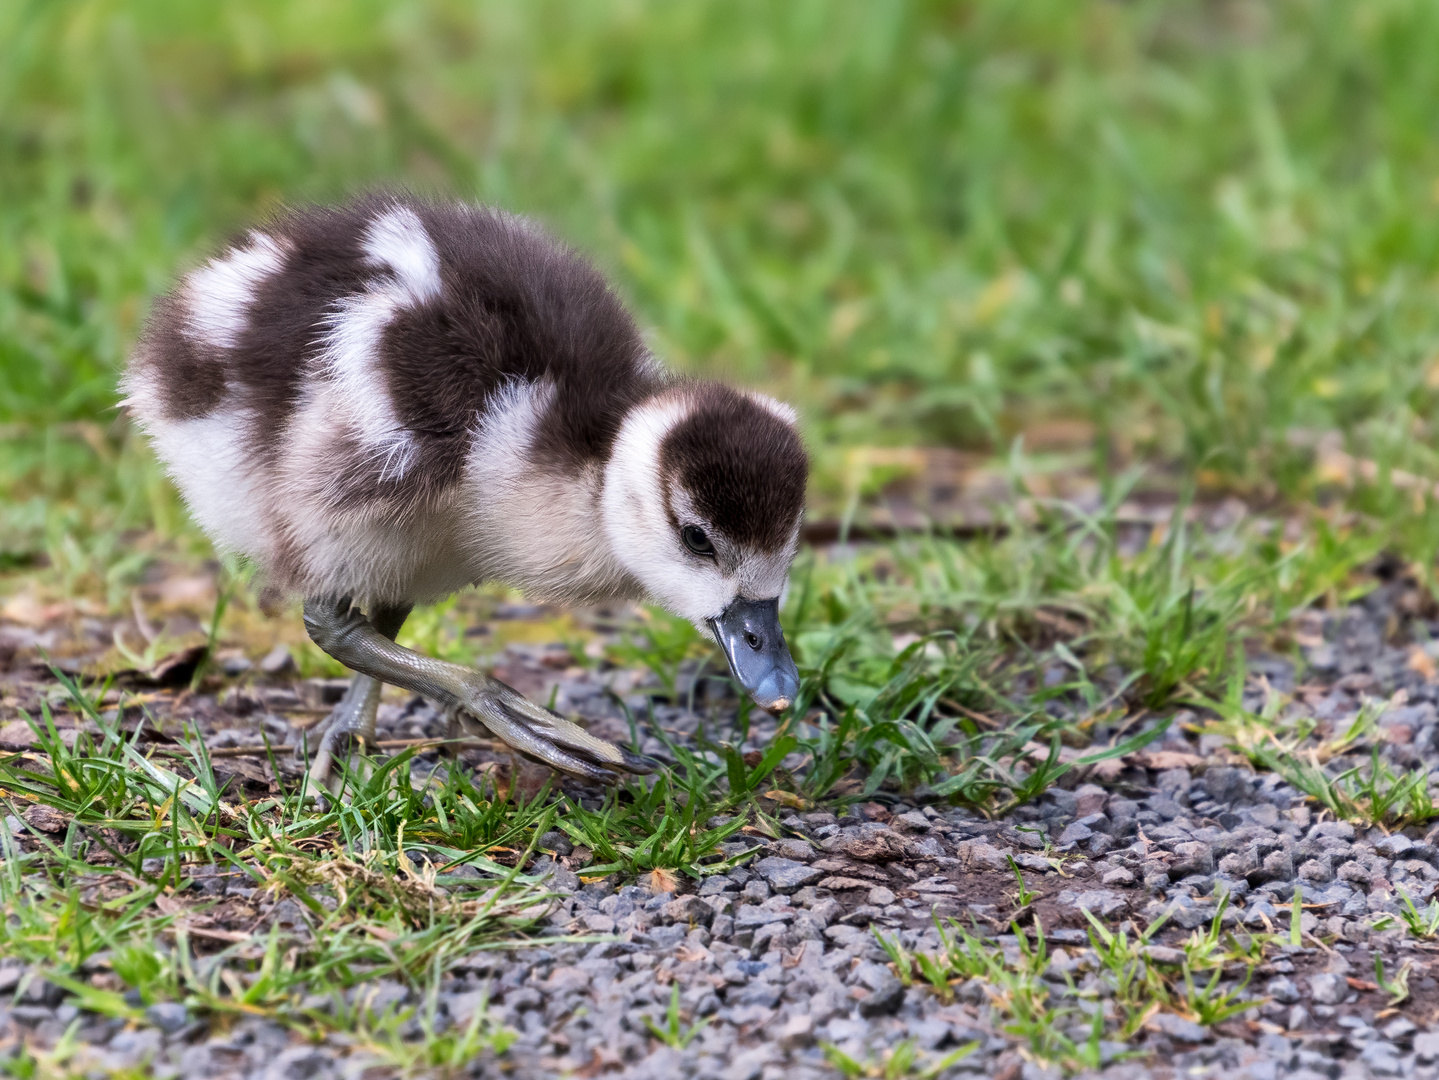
(752,640)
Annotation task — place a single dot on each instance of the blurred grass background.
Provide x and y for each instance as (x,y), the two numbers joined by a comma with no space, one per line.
(1198,233)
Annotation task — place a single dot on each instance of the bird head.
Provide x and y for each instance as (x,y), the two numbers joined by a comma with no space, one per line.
(703,497)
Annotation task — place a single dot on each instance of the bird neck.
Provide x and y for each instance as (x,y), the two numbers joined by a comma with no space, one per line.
(533,525)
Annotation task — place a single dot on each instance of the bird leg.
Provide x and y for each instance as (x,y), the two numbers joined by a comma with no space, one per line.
(355,714)
(353,640)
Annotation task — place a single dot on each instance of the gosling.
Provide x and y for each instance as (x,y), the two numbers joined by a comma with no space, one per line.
(380,403)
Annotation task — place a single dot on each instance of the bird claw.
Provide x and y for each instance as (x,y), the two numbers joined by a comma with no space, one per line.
(550,738)
(350,723)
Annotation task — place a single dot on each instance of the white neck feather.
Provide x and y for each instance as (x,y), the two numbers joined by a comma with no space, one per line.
(538,530)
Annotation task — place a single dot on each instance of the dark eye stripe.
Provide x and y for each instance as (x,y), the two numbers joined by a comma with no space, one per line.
(696,540)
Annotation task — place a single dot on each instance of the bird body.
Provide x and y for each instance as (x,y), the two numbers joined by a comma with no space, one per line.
(381,403)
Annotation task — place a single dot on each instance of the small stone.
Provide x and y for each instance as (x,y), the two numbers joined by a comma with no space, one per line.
(826,911)
(1163,954)
(564,980)
(1191,916)
(136,1047)
(688,910)
(1075,834)
(1298,1018)
(43,992)
(1327,988)
(714,886)
(1118,876)
(1038,863)
(863,915)
(1089,799)
(884,1000)
(757,993)
(277,661)
(981,855)
(750,1064)
(1394,845)
(838,883)
(1339,830)
(754,915)
(298,1063)
(1278,866)
(1177,1027)
(1191,857)
(237,664)
(796,849)
(168,1016)
(1282,989)
(558,842)
(755,891)
(1382,1058)
(797,1033)
(880,896)
(877,845)
(46,818)
(1102,902)
(1399,1028)
(787,875)
(1426,1047)
(914,821)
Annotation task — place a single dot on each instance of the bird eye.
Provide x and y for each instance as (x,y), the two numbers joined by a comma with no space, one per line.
(696,540)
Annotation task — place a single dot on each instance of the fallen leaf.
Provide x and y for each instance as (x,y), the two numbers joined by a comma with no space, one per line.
(1423,663)
(1361,984)
(787,798)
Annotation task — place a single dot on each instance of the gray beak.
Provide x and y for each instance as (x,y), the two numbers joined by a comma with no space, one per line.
(749,633)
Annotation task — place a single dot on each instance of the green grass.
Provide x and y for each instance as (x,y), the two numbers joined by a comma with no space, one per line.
(1186,250)
(1060,1025)
(1210,237)
(1063,1023)
(1209,240)
(94,897)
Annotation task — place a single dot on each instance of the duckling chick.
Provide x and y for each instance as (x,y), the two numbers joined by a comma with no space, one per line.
(381,403)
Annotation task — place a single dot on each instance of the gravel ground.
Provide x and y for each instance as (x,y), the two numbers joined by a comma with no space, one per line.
(777,956)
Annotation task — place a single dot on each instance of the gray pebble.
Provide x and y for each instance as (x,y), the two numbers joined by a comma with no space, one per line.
(277,661)
(787,875)
(1177,1027)
(1283,990)
(884,1000)
(1327,988)
(168,1016)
